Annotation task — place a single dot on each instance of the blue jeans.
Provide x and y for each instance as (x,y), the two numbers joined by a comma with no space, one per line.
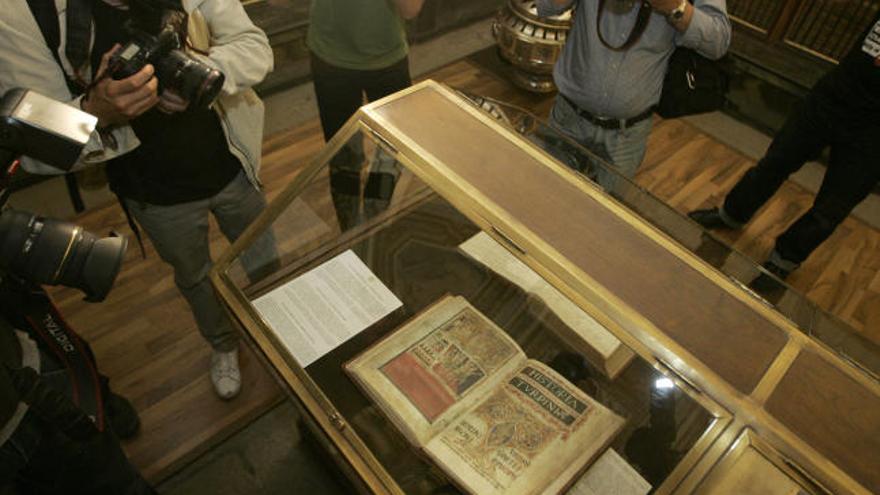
(621,149)
(180,235)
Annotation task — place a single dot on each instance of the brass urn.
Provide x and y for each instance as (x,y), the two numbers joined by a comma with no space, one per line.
(530,43)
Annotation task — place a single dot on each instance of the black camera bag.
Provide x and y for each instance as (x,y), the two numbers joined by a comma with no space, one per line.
(693,84)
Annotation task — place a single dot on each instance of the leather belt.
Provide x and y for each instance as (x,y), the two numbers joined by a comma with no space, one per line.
(607,122)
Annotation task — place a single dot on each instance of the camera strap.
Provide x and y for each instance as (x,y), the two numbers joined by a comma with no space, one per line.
(132,225)
(46,15)
(52,333)
(644,17)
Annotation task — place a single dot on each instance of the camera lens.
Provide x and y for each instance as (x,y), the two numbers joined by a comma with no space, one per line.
(53,252)
(194,81)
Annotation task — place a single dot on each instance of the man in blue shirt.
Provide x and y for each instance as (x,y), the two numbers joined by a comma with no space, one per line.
(607,86)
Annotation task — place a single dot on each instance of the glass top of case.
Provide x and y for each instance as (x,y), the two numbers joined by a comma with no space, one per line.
(358,217)
(364,210)
(745,272)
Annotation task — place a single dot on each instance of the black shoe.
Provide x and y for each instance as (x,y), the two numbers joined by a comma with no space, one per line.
(775,269)
(709,218)
(122,416)
(767,286)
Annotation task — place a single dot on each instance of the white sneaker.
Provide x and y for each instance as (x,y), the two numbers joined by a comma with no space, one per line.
(225,374)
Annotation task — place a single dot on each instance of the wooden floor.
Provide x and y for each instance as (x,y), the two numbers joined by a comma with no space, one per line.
(146,340)
(689,170)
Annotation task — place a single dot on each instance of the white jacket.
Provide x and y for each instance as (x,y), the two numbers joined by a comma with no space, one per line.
(236,47)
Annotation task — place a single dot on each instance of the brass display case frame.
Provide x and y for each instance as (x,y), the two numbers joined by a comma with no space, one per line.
(733,409)
(747,439)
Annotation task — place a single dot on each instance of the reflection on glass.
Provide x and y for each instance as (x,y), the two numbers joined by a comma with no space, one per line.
(743,271)
(664,384)
(411,244)
(362,201)
(355,197)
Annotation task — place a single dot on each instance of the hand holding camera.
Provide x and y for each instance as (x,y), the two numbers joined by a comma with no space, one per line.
(171,102)
(118,101)
(151,68)
(157,38)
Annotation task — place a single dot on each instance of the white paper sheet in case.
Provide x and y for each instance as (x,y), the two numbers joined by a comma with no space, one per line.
(324,307)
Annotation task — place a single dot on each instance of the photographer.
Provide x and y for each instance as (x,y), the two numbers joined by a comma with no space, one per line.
(49,443)
(170,159)
(610,74)
(59,420)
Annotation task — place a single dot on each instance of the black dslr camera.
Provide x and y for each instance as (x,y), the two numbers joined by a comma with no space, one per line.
(43,250)
(157,29)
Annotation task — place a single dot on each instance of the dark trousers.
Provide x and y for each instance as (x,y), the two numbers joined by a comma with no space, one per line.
(55,448)
(340,92)
(44,461)
(41,459)
(853,170)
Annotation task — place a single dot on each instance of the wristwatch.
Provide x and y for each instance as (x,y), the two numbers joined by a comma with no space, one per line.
(677,14)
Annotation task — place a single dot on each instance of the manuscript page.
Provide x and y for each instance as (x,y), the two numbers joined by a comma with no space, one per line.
(435,366)
(533,434)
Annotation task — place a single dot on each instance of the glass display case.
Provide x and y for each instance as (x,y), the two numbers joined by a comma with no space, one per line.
(423,196)
(808,317)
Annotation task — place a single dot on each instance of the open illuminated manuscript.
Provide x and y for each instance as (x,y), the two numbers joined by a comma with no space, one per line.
(495,421)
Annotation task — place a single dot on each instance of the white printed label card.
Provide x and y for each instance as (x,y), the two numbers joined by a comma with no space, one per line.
(871,46)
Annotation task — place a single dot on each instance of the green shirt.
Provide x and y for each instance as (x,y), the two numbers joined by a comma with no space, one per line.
(357,34)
